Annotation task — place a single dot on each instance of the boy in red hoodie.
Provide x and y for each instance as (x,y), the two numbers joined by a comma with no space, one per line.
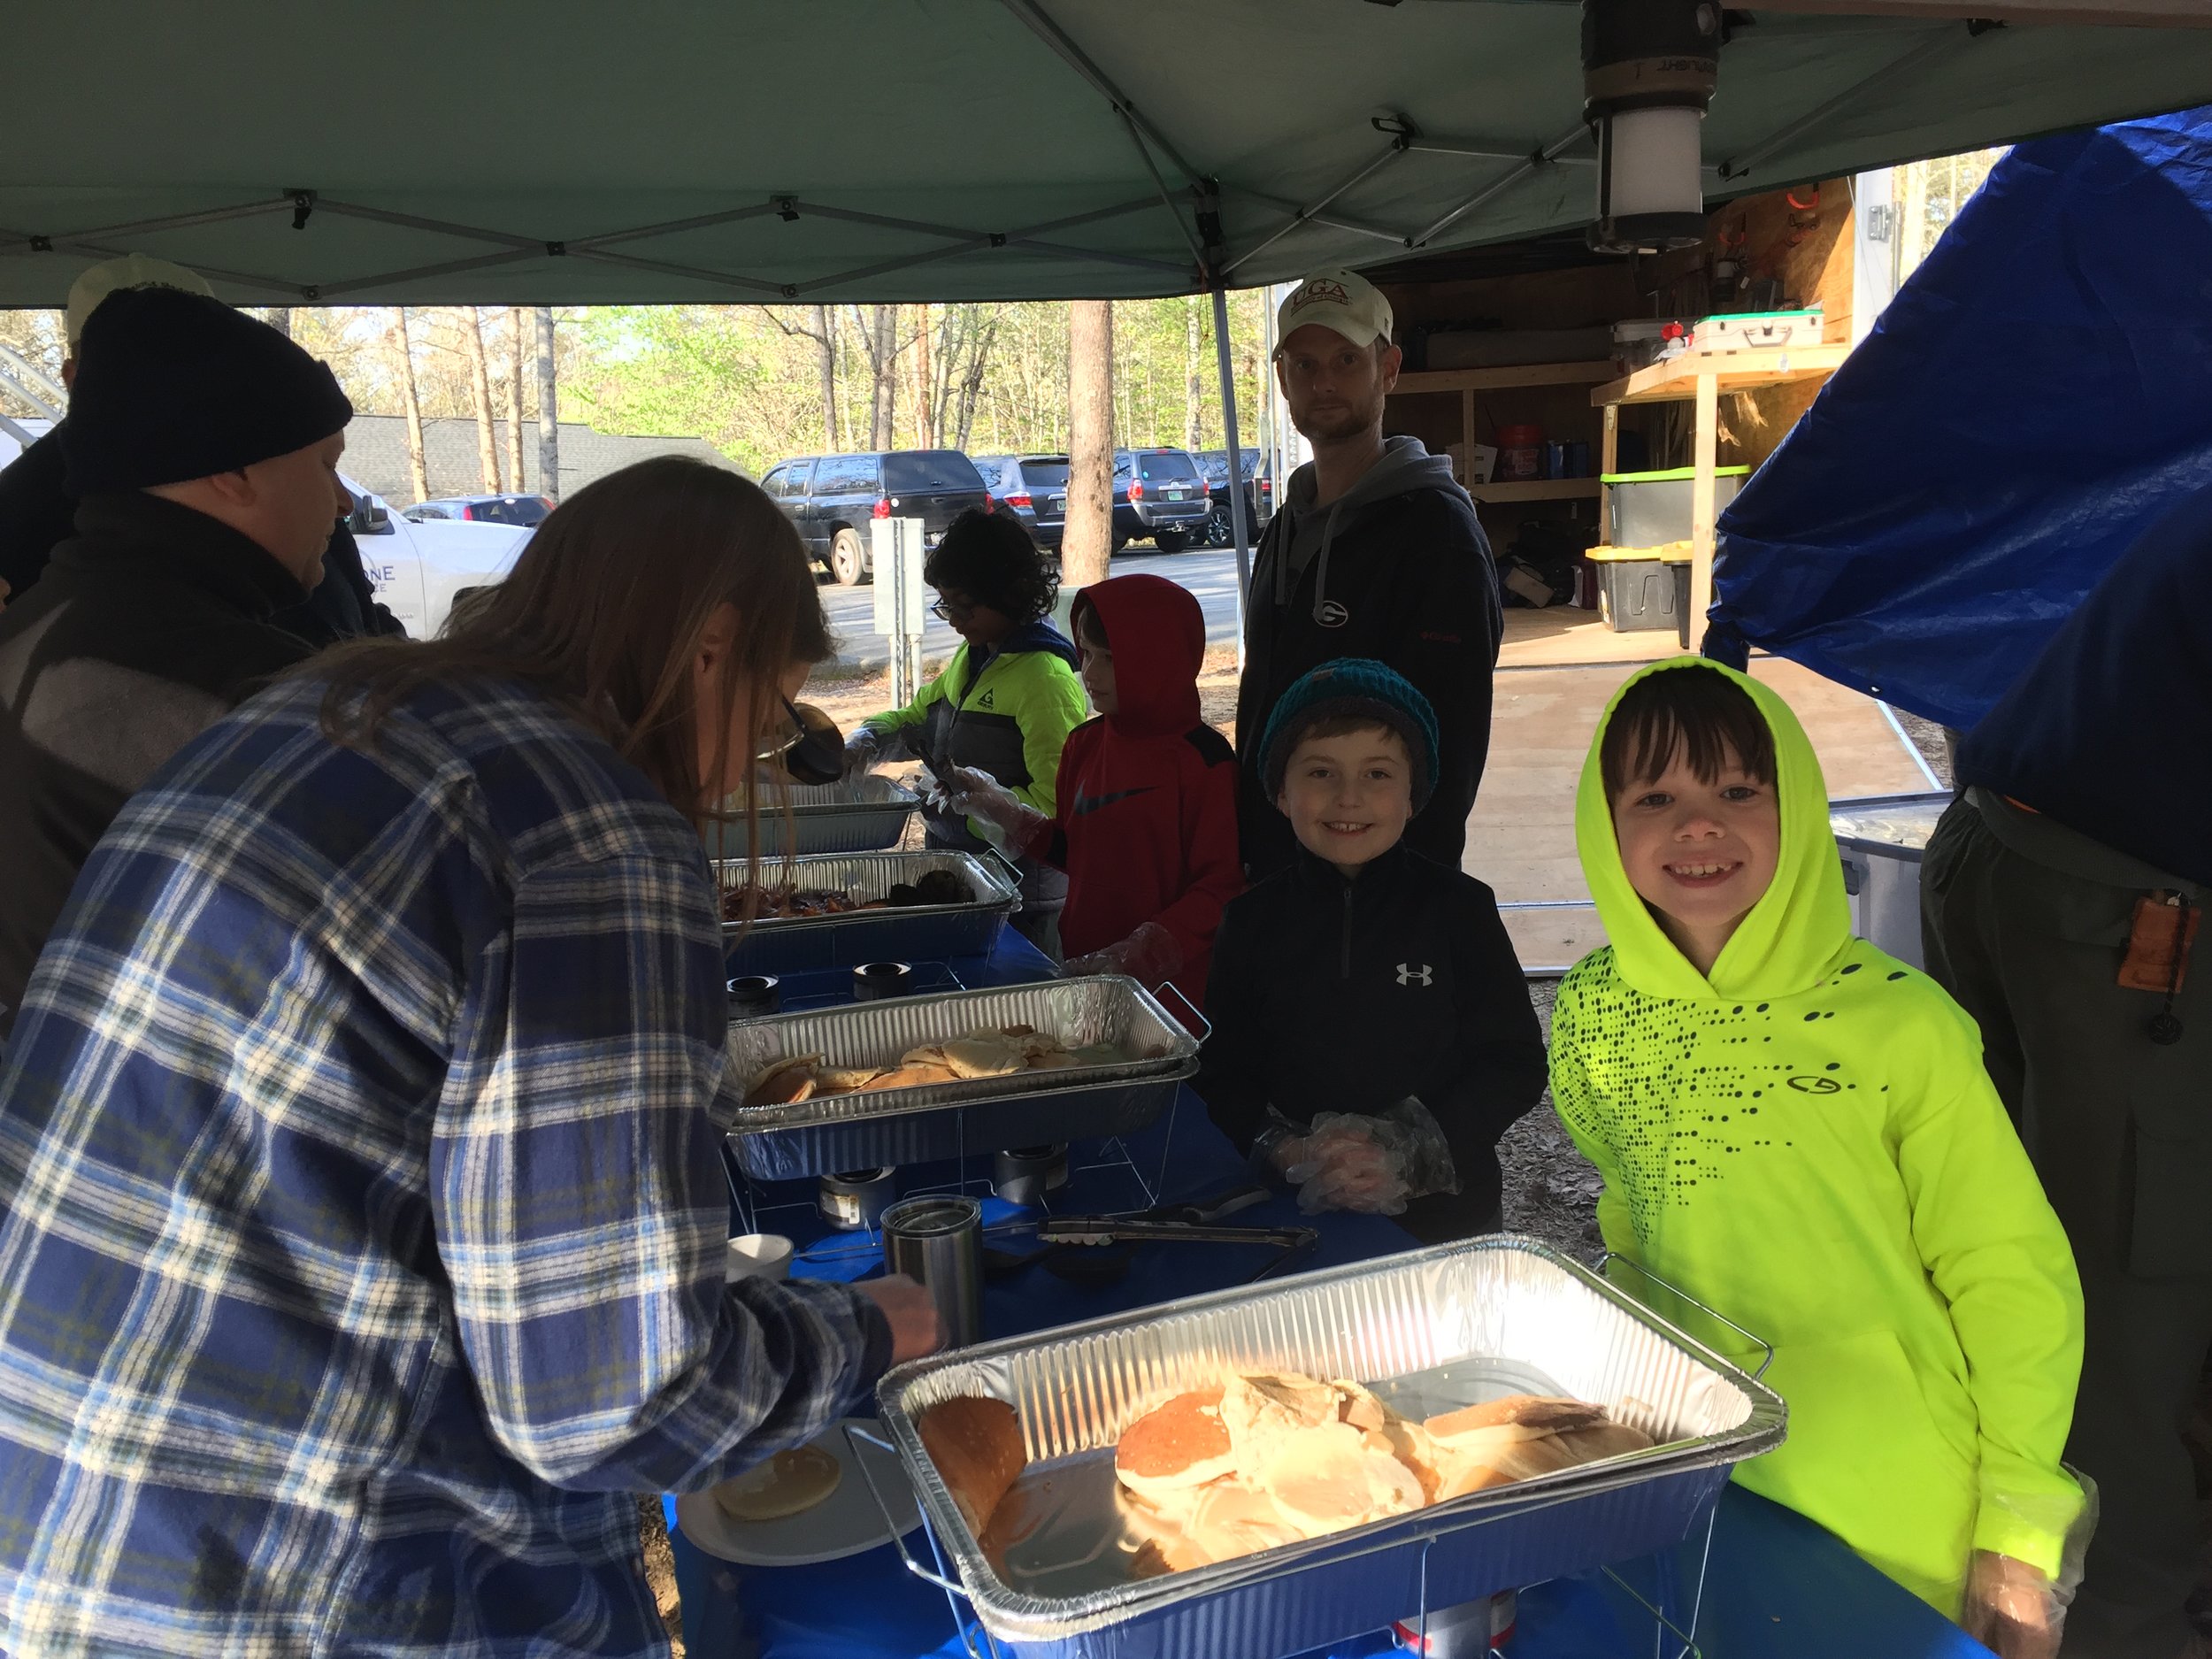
(1146,826)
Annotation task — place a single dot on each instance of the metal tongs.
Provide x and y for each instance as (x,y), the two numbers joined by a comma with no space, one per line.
(1182,1223)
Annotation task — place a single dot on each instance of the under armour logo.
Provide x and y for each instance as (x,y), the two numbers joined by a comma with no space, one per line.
(1422,975)
(1330,614)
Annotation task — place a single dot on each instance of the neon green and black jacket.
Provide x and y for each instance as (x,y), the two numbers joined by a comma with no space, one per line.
(1011,717)
(1807,1142)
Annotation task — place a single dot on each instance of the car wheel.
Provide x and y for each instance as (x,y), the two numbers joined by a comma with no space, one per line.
(848,560)
(1215,532)
(1170,541)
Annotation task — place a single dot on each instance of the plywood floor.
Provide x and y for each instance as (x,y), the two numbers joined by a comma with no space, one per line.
(1521,837)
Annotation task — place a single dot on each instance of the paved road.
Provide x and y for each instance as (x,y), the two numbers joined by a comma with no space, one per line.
(1210,575)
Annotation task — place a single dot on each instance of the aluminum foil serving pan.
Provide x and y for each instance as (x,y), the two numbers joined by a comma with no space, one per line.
(859,815)
(1428,1330)
(913,1125)
(912,933)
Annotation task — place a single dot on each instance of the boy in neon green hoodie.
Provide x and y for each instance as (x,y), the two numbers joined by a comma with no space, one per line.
(1796,1130)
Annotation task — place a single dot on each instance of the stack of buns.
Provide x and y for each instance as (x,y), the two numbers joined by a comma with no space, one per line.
(981,1054)
(1268,1458)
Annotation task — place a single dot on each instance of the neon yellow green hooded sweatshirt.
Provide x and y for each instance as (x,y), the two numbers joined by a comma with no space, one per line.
(1807,1142)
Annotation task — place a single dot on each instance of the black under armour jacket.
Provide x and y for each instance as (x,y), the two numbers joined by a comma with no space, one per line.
(1330,994)
(1397,569)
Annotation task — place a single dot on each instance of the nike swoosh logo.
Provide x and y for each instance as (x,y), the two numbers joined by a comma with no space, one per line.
(1085,804)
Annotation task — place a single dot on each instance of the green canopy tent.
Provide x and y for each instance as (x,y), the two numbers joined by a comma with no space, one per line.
(546,151)
(554,151)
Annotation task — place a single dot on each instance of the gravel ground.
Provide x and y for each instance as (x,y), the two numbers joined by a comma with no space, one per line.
(1551,1190)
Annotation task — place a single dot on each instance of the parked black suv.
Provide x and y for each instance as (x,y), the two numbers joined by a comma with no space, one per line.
(1036,487)
(1160,493)
(1259,496)
(832,498)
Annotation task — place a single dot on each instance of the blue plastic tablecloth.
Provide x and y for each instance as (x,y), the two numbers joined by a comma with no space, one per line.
(1777,1586)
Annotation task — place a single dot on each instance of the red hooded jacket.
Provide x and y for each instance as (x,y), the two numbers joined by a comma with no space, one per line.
(1146,825)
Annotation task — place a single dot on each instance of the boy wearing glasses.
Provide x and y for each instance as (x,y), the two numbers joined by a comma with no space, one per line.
(1003,705)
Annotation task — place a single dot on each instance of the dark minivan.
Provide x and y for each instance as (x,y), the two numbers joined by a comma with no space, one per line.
(833,498)
(1036,487)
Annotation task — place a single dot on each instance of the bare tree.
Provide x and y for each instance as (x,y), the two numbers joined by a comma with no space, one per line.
(417,473)
(1194,381)
(549,411)
(964,387)
(472,349)
(925,407)
(880,337)
(514,381)
(1089,539)
(824,335)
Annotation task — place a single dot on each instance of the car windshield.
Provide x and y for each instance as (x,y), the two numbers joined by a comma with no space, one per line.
(519,510)
(1045,474)
(924,469)
(1170,466)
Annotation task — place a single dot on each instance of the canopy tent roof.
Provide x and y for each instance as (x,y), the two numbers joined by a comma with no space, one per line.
(562,151)
(2030,402)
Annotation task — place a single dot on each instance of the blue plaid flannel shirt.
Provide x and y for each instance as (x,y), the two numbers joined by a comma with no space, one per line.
(361,1210)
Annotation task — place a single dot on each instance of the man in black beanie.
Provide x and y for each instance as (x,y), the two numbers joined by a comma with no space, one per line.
(38,508)
(203,447)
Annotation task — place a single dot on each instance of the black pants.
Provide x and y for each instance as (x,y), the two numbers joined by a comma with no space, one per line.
(2025,922)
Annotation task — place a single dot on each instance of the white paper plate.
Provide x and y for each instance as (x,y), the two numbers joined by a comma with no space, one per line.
(843,1524)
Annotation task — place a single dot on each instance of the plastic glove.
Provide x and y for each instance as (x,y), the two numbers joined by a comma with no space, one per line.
(2013,1608)
(1148,955)
(862,750)
(1373,1163)
(1009,823)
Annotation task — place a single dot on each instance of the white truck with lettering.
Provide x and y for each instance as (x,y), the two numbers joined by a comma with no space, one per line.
(420,569)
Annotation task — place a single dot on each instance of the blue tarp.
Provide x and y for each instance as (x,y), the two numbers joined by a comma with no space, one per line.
(2036,394)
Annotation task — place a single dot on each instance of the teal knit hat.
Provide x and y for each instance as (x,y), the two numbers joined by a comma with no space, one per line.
(1359,687)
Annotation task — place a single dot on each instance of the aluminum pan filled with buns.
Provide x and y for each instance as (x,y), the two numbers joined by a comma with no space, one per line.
(1426,1348)
(1110,1029)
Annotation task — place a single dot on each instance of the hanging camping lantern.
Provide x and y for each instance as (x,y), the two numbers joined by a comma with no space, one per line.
(1648,68)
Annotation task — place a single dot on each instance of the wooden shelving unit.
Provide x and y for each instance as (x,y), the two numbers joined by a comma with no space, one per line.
(1520,376)
(1702,376)
(1536,489)
(1676,378)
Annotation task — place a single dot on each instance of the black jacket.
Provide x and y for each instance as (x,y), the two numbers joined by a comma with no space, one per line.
(148,625)
(37,510)
(1335,995)
(37,513)
(1407,577)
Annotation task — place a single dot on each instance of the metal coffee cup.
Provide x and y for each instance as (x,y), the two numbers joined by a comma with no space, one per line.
(938,1241)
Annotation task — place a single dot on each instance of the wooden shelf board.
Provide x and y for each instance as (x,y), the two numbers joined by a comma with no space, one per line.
(1536,489)
(1496,380)
(1736,370)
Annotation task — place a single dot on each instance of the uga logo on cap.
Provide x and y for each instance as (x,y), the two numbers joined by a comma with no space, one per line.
(1330,614)
(1320,288)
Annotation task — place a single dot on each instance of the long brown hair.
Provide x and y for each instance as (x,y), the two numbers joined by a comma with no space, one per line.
(605,610)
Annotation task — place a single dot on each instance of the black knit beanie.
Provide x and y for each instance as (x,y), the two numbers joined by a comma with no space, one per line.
(173,385)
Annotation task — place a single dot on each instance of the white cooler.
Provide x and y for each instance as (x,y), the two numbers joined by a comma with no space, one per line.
(1881,838)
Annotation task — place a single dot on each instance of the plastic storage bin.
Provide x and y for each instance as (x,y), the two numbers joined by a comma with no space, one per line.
(1651,509)
(1642,589)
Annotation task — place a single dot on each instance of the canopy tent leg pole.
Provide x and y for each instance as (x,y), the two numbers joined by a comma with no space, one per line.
(1236,462)
(1702,513)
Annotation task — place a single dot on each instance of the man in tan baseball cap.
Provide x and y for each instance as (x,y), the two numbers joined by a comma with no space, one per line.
(95,282)
(1376,552)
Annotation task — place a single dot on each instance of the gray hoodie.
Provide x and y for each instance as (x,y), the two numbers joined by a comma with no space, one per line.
(1308,531)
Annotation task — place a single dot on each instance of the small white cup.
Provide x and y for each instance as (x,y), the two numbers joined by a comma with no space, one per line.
(757,1255)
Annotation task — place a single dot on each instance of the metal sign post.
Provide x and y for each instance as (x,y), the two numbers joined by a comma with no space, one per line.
(900,612)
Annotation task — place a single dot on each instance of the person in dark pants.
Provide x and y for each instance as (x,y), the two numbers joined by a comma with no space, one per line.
(1376,553)
(38,508)
(2059,896)
(1372,1032)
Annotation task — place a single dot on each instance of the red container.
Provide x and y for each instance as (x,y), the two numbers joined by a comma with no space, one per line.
(1520,454)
